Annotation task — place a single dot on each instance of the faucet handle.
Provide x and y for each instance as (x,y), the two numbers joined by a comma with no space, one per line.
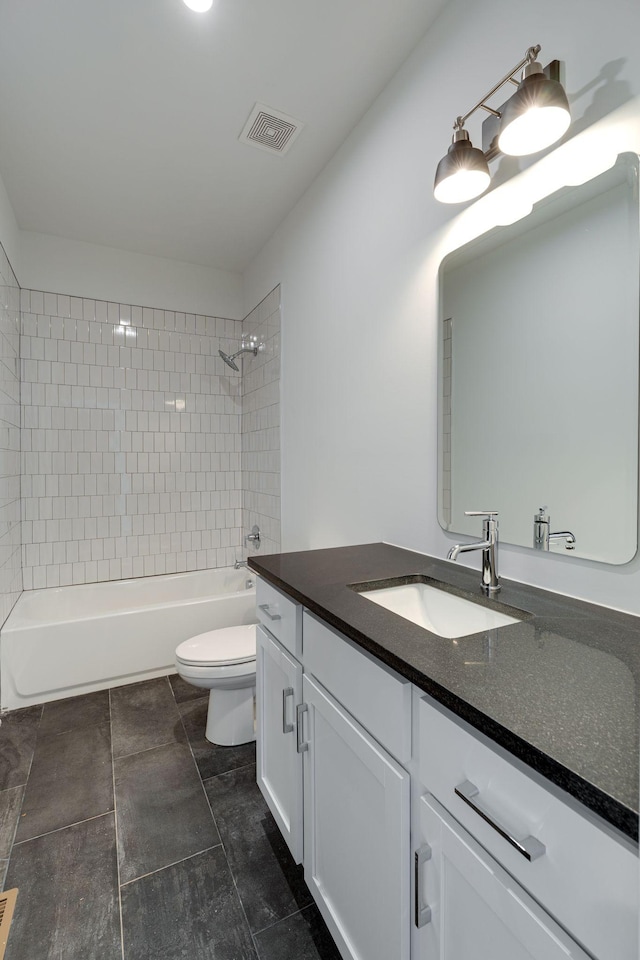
(481,513)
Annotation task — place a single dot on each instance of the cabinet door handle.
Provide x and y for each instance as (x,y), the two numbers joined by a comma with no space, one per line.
(422,911)
(265,609)
(529,847)
(286,727)
(301,744)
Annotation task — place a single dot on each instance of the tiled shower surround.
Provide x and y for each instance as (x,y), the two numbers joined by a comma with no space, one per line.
(131,441)
(261,425)
(10,565)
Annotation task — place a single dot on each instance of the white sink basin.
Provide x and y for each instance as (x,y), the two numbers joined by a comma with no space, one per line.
(437,610)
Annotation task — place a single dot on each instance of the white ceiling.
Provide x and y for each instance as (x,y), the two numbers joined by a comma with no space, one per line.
(119,119)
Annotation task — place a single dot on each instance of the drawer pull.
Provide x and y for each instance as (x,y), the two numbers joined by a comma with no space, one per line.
(265,609)
(422,911)
(301,744)
(529,847)
(286,727)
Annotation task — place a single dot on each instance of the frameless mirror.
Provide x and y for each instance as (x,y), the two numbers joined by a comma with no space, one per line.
(538,365)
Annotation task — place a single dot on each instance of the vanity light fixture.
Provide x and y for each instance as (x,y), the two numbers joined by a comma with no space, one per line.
(533,118)
(200,6)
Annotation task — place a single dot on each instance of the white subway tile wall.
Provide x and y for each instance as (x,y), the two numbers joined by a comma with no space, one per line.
(261,426)
(10,553)
(131,441)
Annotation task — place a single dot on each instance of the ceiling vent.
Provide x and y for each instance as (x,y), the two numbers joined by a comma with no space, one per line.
(270,130)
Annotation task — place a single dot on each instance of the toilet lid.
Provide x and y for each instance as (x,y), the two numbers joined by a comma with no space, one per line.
(227,645)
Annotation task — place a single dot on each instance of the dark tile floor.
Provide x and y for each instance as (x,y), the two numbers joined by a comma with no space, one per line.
(130,837)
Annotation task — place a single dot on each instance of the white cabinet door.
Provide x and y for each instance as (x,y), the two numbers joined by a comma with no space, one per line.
(279,765)
(472,909)
(356,832)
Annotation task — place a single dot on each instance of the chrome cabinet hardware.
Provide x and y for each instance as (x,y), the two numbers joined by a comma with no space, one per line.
(265,609)
(529,847)
(301,744)
(422,911)
(286,727)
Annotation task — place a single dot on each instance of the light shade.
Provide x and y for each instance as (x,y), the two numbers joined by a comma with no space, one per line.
(463,172)
(200,6)
(536,115)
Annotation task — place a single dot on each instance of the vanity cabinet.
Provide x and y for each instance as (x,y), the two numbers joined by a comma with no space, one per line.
(469,907)
(421,839)
(278,763)
(278,693)
(357,732)
(513,849)
(356,831)
(326,767)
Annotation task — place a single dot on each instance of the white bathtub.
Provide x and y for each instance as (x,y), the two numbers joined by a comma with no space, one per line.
(65,641)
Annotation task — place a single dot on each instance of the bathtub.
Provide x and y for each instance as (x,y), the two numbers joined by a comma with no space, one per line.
(65,641)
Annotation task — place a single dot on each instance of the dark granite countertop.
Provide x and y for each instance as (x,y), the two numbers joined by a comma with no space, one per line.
(558,690)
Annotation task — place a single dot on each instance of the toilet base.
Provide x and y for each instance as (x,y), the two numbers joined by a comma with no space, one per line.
(230,720)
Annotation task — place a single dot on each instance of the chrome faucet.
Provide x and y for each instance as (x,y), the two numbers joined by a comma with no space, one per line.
(489,546)
(240,563)
(542,536)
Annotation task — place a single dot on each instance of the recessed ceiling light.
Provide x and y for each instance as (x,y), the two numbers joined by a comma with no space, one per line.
(200,6)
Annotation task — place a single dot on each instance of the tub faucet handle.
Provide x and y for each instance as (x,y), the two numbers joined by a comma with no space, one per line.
(254,536)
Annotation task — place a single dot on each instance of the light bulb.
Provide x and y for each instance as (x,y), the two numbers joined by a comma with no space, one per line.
(462,185)
(536,129)
(200,6)
(536,115)
(463,172)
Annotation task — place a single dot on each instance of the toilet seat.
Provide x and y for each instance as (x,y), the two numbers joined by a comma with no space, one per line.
(224,663)
(218,648)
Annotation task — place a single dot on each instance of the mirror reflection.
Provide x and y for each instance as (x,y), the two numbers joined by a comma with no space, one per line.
(539,374)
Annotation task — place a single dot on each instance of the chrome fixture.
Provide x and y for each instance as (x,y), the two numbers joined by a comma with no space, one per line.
(530,847)
(240,563)
(249,345)
(542,536)
(489,547)
(533,118)
(254,536)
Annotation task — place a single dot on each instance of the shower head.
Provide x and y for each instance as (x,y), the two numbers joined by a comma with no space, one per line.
(249,345)
(230,362)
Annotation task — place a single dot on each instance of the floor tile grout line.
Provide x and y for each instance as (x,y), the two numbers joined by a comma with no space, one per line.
(224,851)
(136,753)
(225,773)
(116,834)
(166,866)
(282,919)
(67,826)
(17,823)
(24,793)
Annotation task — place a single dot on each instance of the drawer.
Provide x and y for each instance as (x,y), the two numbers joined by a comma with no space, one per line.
(377,698)
(585,877)
(280,615)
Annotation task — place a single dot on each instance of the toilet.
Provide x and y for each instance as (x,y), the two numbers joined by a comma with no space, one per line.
(224,662)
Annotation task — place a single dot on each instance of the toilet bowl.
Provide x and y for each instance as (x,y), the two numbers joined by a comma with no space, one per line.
(224,662)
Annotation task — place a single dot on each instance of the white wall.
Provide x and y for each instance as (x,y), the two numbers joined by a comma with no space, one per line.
(120,276)
(9,232)
(357,260)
